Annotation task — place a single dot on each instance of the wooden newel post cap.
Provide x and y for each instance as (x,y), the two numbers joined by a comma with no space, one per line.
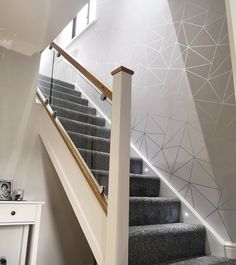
(122,69)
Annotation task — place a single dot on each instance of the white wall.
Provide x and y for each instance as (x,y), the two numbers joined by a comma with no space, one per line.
(183,95)
(29,26)
(24,160)
(231,16)
(65,35)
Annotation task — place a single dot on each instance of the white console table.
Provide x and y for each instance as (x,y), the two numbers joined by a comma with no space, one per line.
(22,214)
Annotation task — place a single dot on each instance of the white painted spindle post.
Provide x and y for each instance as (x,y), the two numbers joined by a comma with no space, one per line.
(118,197)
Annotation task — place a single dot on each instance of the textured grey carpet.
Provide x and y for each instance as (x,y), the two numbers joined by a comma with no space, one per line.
(152,244)
(155,237)
(153,210)
(100,161)
(79,116)
(89,142)
(84,128)
(140,185)
(73,106)
(206,260)
(57,87)
(65,96)
(47,80)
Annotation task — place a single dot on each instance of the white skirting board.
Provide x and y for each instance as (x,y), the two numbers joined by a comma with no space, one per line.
(230,250)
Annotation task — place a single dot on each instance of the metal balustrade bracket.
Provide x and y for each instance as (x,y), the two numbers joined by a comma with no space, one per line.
(50,46)
(58,54)
(46,101)
(103,97)
(54,114)
(102,190)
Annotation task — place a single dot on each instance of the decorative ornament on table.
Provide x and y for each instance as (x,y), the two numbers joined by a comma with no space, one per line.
(17,195)
(3,261)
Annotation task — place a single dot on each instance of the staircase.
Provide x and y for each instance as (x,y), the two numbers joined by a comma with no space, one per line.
(156,235)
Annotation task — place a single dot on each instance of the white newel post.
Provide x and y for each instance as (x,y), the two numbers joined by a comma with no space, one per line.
(118,197)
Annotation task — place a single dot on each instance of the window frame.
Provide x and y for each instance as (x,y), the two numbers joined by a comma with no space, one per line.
(74,32)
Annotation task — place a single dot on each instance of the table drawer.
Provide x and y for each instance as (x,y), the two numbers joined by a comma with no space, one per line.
(18,213)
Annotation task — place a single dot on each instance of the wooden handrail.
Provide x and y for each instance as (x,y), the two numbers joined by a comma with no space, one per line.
(75,153)
(97,83)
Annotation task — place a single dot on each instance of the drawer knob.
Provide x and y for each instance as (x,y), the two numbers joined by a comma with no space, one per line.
(13,213)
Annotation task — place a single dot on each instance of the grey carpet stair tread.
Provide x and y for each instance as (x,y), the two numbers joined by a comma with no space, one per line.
(140,185)
(90,142)
(151,210)
(79,116)
(85,128)
(55,81)
(100,161)
(43,84)
(154,244)
(64,96)
(205,260)
(73,106)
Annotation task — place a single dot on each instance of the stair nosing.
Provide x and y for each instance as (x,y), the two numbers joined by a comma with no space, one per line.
(94,151)
(99,152)
(89,136)
(64,88)
(131,174)
(49,82)
(160,198)
(80,113)
(67,94)
(180,225)
(68,101)
(83,123)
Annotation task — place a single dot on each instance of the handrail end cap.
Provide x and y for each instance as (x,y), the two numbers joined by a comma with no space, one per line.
(122,69)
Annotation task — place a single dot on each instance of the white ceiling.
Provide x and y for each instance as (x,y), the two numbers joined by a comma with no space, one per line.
(28,26)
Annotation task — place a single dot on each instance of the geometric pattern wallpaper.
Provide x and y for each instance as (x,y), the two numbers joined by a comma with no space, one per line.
(183,102)
(176,145)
